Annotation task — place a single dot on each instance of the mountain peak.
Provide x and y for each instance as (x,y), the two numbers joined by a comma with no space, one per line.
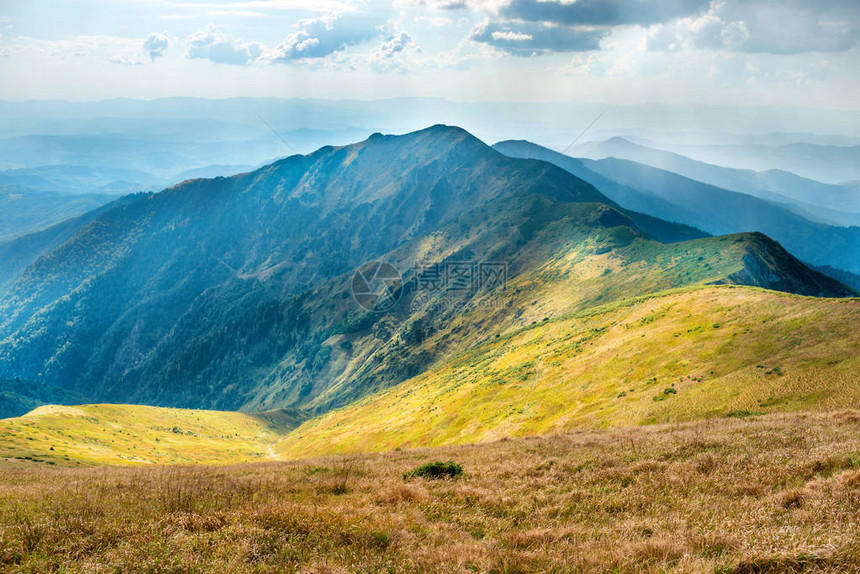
(441,133)
(618,140)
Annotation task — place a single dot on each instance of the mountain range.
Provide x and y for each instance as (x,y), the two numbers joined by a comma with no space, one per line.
(234,293)
(827,203)
(24,211)
(715,210)
(828,163)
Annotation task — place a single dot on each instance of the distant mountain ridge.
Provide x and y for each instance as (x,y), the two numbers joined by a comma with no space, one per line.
(715,210)
(233,293)
(822,162)
(24,211)
(830,203)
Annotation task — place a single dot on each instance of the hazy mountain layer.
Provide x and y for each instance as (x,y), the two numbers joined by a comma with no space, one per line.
(828,203)
(24,211)
(830,163)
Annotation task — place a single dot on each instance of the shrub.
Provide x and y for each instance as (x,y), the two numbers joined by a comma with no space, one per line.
(435,470)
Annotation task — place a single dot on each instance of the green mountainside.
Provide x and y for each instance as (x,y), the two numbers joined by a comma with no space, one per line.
(234,293)
(24,210)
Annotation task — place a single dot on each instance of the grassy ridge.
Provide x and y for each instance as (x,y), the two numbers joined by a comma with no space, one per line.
(131,434)
(777,493)
(675,357)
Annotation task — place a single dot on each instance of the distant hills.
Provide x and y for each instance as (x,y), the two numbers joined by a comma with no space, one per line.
(670,196)
(24,211)
(234,293)
(835,204)
(78,180)
(822,162)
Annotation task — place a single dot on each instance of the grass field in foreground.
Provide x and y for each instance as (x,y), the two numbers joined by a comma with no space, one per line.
(774,493)
(132,434)
(670,357)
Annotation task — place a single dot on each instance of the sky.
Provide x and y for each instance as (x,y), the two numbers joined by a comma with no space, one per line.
(787,53)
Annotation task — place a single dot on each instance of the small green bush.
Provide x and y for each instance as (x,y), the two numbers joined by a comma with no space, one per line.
(435,470)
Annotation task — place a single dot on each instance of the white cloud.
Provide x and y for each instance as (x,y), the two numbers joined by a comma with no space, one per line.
(214,45)
(321,37)
(763,26)
(510,35)
(465,55)
(583,63)
(270,6)
(126,60)
(435,21)
(483,6)
(394,54)
(535,38)
(433,4)
(155,44)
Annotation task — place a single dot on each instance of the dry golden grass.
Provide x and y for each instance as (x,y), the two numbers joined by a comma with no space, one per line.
(762,494)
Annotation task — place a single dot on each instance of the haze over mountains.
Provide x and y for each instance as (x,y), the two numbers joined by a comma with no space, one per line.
(23,211)
(124,145)
(233,293)
(831,203)
(829,163)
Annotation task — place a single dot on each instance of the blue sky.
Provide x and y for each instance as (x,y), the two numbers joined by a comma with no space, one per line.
(773,52)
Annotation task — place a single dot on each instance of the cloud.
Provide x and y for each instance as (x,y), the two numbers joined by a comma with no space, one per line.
(511,35)
(602,12)
(392,55)
(530,38)
(214,45)
(436,22)
(323,36)
(582,64)
(155,44)
(763,26)
(434,4)
(528,27)
(126,60)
